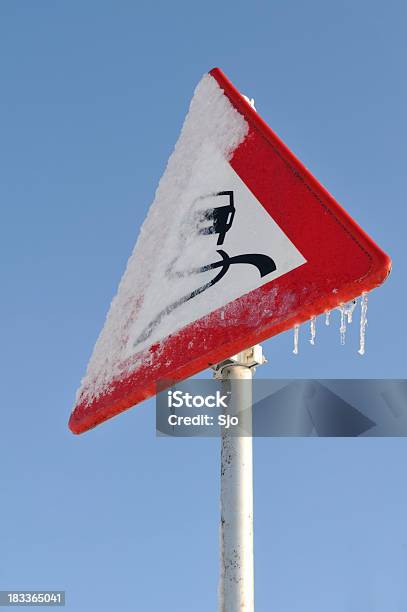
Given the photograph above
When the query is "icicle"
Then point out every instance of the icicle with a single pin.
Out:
(313, 330)
(363, 323)
(349, 308)
(296, 330)
(327, 317)
(342, 329)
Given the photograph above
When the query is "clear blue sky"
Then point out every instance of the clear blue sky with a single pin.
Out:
(93, 95)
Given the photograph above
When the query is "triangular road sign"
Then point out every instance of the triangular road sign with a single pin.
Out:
(240, 244)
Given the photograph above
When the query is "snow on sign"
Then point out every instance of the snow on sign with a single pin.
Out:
(241, 243)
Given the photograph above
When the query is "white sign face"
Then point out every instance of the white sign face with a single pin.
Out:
(221, 245)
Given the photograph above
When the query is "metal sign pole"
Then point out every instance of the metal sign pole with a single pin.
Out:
(236, 587)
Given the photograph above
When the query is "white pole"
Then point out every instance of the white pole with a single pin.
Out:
(236, 587)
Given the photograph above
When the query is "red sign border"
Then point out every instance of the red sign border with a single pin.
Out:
(212, 346)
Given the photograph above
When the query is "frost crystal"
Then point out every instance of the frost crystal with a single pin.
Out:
(342, 329)
(313, 330)
(296, 330)
(349, 308)
(363, 323)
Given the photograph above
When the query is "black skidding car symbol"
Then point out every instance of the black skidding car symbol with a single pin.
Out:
(210, 220)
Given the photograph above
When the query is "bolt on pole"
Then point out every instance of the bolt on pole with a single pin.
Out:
(236, 585)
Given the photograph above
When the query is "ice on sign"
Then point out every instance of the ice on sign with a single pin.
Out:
(206, 241)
